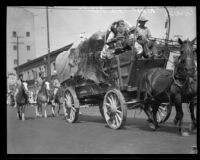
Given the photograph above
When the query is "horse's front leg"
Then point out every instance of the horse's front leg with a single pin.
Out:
(53, 109)
(155, 106)
(36, 110)
(179, 110)
(45, 110)
(192, 114)
(18, 112)
(59, 108)
(148, 113)
(23, 112)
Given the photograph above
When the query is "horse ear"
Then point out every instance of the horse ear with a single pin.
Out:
(180, 41)
(194, 40)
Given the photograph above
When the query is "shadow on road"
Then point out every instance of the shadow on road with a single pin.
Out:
(142, 124)
(30, 118)
(88, 118)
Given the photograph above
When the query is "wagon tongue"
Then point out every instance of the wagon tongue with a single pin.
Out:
(134, 104)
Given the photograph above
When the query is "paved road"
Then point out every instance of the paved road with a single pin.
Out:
(91, 135)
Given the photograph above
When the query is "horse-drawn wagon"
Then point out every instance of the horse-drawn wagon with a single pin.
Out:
(115, 94)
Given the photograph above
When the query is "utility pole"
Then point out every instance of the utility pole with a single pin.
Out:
(17, 44)
(48, 45)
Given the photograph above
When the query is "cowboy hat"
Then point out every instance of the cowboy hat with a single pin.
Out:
(142, 19)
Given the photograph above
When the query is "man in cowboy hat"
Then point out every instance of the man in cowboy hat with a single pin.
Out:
(144, 36)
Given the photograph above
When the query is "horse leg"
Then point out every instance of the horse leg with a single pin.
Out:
(176, 118)
(45, 112)
(148, 113)
(58, 108)
(180, 117)
(53, 110)
(36, 110)
(155, 106)
(18, 112)
(64, 110)
(22, 111)
(193, 119)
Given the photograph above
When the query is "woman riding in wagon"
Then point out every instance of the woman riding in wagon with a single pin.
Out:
(115, 39)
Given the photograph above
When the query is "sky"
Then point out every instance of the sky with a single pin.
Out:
(66, 23)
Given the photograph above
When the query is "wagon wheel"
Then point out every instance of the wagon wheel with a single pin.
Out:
(71, 105)
(163, 113)
(114, 109)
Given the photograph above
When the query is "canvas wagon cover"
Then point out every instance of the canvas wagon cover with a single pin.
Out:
(81, 60)
(63, 66)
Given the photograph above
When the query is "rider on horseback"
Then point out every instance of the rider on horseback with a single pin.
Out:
(18, 83)
(40, 81)
(56, 85)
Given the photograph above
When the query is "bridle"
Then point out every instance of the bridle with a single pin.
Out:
(185, 72)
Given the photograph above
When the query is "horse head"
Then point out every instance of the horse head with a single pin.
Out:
(186, 61)
(25, 87)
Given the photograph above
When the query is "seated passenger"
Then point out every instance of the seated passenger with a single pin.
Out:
(118, 32)
(145, 39)
(137, 46)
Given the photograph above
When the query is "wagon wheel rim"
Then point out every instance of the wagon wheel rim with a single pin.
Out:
(113, 111)
(70, 109)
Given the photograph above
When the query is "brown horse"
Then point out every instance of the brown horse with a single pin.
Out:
(58, 99)
(43, 99)
(179, 86)
(22, 100)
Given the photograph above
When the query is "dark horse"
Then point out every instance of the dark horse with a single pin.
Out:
(43, 99)
(22, 100)
(179, 86)
(58, 99)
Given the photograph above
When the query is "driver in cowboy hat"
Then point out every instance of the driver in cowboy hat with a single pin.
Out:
(144, 36)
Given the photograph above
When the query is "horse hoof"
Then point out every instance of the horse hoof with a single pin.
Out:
(193, 127)
(175, 121)
(184, 134)
(152, 126)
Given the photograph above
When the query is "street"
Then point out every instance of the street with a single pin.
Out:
(91, 135)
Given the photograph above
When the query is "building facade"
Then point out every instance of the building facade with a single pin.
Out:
(20, 23)
(30, 70)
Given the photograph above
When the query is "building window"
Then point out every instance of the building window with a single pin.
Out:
(14, 34)
(27, 34)
(28, 48)
(15, 61)
(14, 47)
